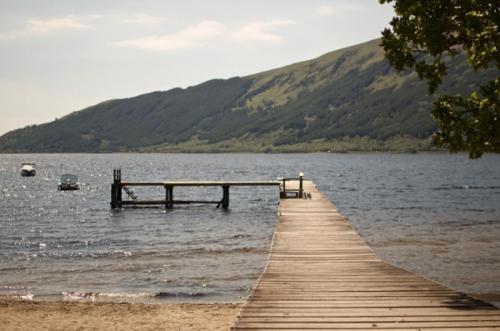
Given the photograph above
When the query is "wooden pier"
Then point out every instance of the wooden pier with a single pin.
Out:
(118, 187)
(321, 275)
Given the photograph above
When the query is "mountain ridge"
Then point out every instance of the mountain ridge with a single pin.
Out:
(348, 99)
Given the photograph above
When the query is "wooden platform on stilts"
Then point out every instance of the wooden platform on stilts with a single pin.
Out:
(119, 186)
(321, 275)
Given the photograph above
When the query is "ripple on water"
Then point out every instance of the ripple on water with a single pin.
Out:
(435, 213)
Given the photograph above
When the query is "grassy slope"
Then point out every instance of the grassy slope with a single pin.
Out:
(348, 99)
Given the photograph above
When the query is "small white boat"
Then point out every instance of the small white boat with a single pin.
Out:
(28, 170)
(68, 182)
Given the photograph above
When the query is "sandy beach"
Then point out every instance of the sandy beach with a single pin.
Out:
(59, 315)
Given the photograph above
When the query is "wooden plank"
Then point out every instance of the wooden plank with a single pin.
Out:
(322, 275)
(163, 202)
(324, 317)
(204, 183)
(371, 312)
(401, 328)
(378, 326)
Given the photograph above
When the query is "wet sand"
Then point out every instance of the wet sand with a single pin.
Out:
(59, 315)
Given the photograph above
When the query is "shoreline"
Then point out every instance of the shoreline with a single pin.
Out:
(18, 314)
(141, 152)
(22, 314)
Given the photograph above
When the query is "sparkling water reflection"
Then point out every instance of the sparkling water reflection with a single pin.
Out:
(436, 214)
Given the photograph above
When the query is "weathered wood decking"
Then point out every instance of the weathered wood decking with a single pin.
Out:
(321, 275)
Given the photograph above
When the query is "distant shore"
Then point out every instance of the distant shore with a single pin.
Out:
(398, 144)
(18, 314)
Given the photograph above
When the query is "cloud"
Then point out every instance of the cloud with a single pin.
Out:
(197, 35)
(36, 27)
(141, 19)
(41, 27)
(340, 8)
(187, 38)
(326, 10)
(261, 31)
(125, 18)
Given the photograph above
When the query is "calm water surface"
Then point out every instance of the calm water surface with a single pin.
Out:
(435, 214)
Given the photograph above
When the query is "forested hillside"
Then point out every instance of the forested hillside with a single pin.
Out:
(348, 99)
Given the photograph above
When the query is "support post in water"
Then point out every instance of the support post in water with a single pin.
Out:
(169, 196)
(301, 185)
(283, 189)
(116, 189)
(225, 196)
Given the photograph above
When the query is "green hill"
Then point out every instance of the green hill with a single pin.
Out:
(349, 99)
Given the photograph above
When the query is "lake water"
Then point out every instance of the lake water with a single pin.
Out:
(434, 214)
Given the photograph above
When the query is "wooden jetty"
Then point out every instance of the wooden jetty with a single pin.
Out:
(321, 275)
(118, 187)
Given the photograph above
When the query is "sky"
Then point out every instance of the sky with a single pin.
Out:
(61, 56)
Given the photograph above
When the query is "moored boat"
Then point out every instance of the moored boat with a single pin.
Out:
(28, 170)
(68, 182)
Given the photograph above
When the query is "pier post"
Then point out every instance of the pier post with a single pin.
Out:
(113, 196)
(169, 196)
(116, 189)
(301, 185)
(283, 189)
(225, 196)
